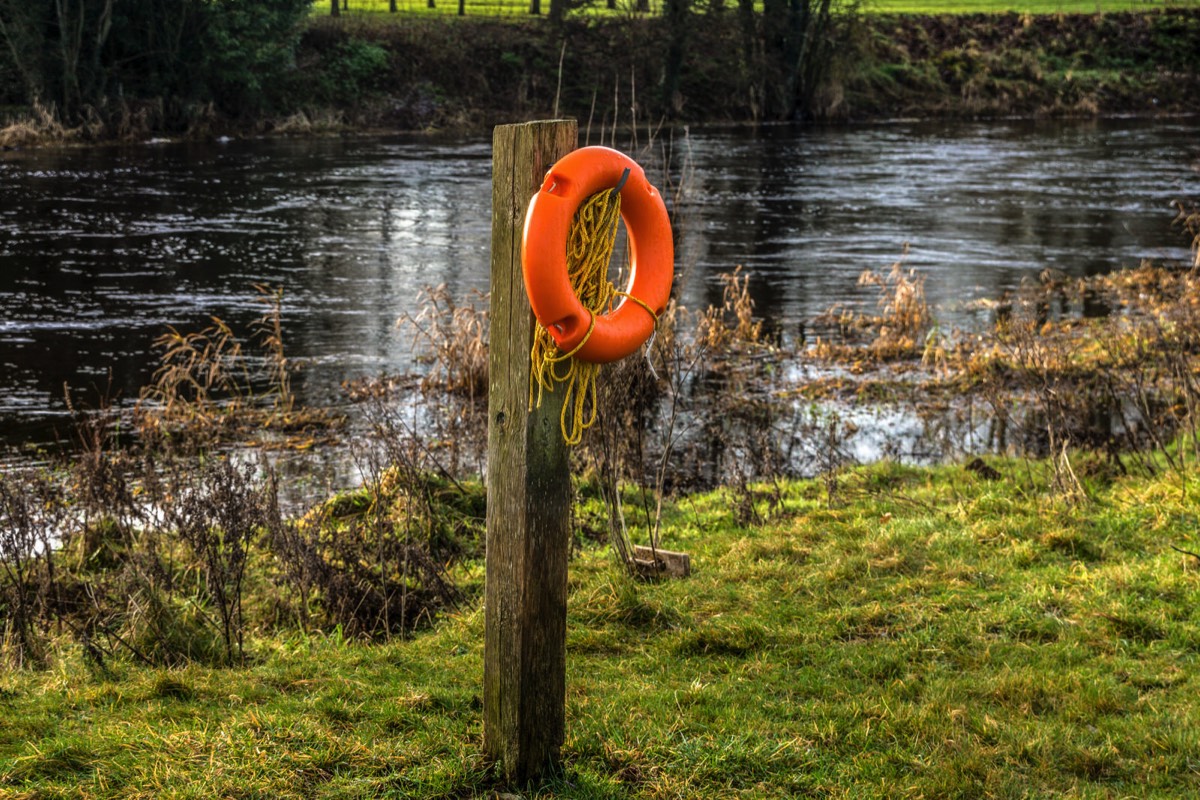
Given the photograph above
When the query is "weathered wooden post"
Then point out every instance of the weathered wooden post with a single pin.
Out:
(528, 486)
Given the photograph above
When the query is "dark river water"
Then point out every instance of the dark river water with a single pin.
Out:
(102, 248)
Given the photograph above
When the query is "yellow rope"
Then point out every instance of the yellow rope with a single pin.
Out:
(590, 244)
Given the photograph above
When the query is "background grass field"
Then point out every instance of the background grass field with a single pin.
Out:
(519, 9)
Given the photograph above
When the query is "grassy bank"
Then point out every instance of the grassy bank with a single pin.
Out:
(921, 633)
(887, 65)
(1052, 65)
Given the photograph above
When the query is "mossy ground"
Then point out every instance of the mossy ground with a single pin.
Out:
(922, 633)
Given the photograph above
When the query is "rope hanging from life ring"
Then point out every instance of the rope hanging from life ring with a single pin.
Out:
(570, 231)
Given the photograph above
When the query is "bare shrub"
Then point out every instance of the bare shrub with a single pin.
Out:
(375, 562)
(218, 511)
(700, 410)
(32, 508)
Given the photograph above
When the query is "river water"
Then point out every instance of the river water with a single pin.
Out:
(102, 248)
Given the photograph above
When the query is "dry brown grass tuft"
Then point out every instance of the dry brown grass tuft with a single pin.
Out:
(453, 340)
(40, 127)
(899, 331)
(1189, 218)
(212, 383)
(732, 325)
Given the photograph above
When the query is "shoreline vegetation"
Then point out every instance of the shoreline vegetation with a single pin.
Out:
(1020, 620)
(301, 74)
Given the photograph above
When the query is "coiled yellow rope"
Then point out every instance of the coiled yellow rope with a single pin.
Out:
(590, 244)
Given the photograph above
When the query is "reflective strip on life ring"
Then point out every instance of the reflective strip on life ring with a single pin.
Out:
(574, 178)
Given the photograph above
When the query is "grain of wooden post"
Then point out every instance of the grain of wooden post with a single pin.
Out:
(528, 486)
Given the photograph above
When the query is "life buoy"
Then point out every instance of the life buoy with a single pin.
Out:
(574, 178)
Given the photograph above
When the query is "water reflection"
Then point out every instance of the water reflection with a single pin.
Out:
(101, 249)
(981, 205)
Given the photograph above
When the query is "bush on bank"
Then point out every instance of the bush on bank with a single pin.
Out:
(121, 67)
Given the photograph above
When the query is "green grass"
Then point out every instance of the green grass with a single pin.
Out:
(1020, 6)
(517, 8)
(932, 634)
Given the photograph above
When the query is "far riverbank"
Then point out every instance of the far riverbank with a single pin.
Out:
(382, 73)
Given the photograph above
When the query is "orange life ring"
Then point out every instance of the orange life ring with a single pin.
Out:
(574, 178)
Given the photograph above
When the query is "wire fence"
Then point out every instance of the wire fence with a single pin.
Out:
(532, 9)
(485, 8)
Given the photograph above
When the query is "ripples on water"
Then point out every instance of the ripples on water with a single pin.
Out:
(102, 248)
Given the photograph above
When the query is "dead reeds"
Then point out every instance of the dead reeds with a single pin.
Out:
(41, 126)
(214, 384)
(898, 331)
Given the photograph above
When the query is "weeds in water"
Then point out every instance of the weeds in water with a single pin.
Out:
(1048, 381)
(904, 317)
(269, 328)
(41, 126)
(202, 381)
(453, 340)
(210, 385)
(900, 330)
(702, 409)
(1123, 386)
(732, 324)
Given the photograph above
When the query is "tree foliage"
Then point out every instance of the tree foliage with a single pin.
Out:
(89, 58)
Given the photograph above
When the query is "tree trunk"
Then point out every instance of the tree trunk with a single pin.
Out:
(678, 19)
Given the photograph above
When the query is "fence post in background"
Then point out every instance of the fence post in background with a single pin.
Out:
(528, 486)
